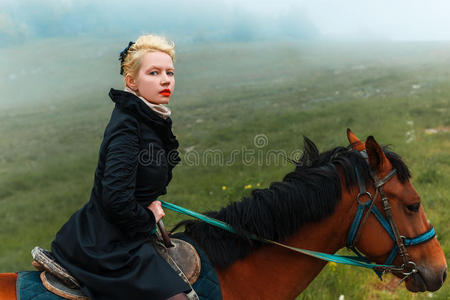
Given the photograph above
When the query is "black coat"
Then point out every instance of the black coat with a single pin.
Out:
(106, 244)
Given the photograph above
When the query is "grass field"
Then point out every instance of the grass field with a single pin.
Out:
(54, 108)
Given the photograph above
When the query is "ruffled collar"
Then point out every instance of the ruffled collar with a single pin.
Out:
(163, 111)
(163, 127)
(132, 103)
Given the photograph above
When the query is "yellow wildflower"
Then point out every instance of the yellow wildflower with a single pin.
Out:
(333, 266)
(248, 186)
(224, 188)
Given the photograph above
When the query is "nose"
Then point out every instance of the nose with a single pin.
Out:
(435, 282)
(164, 79)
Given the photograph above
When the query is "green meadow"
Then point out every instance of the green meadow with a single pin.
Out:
(229, 99)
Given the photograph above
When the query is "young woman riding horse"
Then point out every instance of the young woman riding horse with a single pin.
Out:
(317, 207)
(106, 244)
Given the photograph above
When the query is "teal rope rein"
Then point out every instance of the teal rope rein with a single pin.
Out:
(340, 259)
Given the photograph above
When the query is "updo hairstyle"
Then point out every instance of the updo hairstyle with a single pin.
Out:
(145, 43)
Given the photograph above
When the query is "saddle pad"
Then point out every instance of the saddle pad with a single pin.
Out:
(29, 287)
(207, 285)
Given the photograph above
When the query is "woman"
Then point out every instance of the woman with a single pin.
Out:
(106, 244)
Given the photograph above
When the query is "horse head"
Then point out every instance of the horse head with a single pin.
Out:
(422, 250)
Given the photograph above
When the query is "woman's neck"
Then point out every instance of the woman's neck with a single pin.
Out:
(163, 111)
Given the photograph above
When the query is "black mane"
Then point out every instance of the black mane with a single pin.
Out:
(309, 193)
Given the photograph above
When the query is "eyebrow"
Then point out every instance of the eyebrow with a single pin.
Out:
(159, 68)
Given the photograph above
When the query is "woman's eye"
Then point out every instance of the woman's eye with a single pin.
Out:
(153, 73)
(170, 73)
(413, 207)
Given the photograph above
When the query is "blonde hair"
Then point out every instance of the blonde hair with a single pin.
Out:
(144, 44)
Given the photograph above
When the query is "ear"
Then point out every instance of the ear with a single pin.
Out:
(354, 141)
(131, 83)
(310, 152)
(377, 159)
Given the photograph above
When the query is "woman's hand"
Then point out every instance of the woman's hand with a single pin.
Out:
(157, 210)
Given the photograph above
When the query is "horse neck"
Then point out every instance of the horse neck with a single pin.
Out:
(279, 273)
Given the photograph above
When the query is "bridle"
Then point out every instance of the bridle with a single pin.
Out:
(408, 267)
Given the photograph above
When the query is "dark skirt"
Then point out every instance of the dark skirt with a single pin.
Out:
(109, 264)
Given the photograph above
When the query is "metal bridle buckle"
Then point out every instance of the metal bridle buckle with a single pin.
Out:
(407, 274)
(413, 270)
(362, 194)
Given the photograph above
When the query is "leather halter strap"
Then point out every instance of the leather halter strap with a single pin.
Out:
(357, 224)
(400, 242)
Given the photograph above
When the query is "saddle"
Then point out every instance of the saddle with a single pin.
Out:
(181, 256)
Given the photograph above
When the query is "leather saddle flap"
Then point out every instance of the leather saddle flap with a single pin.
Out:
(183, 255)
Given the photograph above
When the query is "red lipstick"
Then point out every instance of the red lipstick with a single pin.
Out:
(165, 92)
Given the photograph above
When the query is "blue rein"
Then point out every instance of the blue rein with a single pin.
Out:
(359, 260)
(356, 261)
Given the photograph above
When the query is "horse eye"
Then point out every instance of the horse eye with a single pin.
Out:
(413, 207)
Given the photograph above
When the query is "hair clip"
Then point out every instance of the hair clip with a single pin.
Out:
(123, 54)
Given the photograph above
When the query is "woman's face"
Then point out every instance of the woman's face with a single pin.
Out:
(155, 80)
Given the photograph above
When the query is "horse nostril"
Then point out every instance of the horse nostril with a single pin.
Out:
(444, 276)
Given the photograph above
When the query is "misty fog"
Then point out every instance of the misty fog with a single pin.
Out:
(48, 46)
(226, 20)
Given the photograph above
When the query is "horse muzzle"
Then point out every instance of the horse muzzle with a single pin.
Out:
(426, 279)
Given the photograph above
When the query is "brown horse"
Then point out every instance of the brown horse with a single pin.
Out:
(314, 208)
(8, 286)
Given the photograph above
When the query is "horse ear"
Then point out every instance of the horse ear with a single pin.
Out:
(354, 141)
(377, 159)
(310, 152)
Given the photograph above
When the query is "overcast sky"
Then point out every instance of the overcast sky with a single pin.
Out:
(229, 19)
(391, 19)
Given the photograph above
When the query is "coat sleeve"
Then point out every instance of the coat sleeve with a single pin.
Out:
(119, 183)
